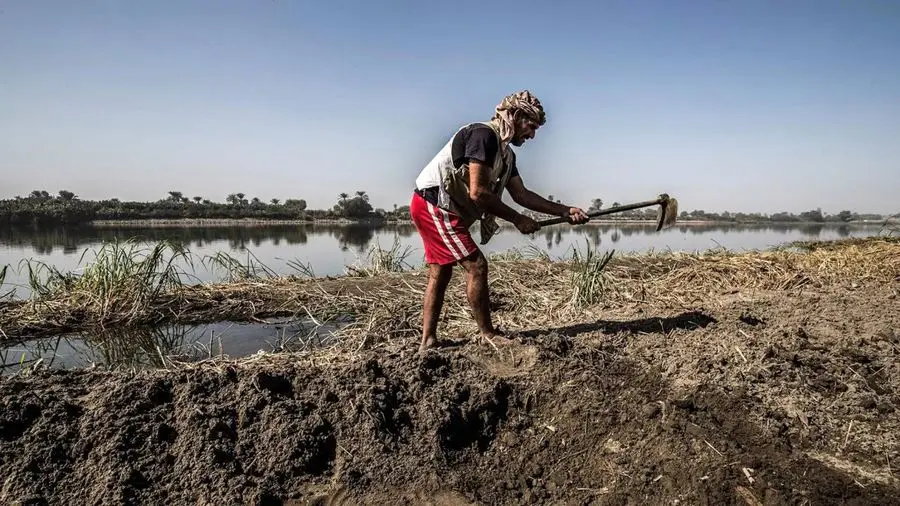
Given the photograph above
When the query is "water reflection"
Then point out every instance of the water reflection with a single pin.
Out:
(354, 237)
(75, 239)
(153, 347)
(329, 248)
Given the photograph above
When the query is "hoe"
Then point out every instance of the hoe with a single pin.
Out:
(668, 212)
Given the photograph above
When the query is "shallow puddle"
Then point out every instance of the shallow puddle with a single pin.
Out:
(145, 347)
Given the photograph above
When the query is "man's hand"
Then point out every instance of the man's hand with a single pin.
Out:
(577, 216)
(526, 225)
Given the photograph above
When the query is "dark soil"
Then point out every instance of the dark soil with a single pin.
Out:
(787, 398)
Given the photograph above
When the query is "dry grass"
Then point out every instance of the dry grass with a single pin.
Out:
(526, 291)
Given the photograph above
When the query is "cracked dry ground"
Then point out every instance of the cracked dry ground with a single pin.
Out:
(778, 398)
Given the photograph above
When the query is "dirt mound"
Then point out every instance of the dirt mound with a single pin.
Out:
(747, 403)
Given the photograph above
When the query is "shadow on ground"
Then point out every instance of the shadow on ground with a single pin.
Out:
(689, 320)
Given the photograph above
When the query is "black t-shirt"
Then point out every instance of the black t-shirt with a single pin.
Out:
(478, 141)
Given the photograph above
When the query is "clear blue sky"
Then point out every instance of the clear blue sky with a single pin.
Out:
(750, 105)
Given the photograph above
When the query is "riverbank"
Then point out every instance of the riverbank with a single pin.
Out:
(711, 378)
(127, 286)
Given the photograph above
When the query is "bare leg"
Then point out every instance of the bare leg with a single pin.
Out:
(439, 278)
(478, 293)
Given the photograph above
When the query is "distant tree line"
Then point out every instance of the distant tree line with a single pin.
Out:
(65, 208)
(811, 216)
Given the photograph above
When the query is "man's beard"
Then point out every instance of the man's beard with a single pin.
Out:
(517, 141)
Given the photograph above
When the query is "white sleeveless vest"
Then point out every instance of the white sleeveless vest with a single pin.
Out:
(453, 183)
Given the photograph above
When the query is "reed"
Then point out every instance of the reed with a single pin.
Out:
(235, 270)
(118, 286)
(891, 226)
(587, 277)
(528, 252)
(302, 269)
(5, 294)
(382, 261)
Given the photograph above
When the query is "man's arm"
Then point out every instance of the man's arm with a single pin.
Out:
(481, 194)
(530, 200)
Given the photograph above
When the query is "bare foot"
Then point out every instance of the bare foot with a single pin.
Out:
(427, 344)
(496, 337)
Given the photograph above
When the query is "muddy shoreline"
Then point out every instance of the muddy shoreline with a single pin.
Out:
(759, 378)
(750, 396)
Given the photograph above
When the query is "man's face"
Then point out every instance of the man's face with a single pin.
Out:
(525, 129)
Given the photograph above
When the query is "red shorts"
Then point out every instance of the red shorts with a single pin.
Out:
(444, 236)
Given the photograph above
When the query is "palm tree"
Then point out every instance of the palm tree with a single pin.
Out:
(274, 202)
(198, 199)
(343, 196)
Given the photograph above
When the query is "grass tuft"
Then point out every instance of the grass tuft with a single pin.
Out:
(235, 270)
(302, 269)
(529, 252)
(587, 278)
(119, 285)
(7, 294)
(383, 261)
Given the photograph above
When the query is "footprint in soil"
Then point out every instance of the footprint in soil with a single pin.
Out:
(507, 361)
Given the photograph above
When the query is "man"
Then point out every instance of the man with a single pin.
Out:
(464, 183)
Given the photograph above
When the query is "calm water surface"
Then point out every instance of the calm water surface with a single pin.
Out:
(328, 250)
(142, 348)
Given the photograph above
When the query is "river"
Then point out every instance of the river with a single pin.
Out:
(329, 249)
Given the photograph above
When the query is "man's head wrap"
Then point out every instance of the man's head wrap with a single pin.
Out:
(512, 108)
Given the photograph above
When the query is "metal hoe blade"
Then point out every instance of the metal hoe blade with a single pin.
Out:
(668, 212)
